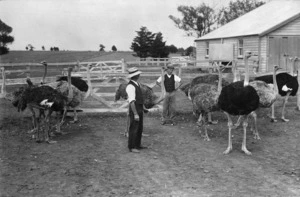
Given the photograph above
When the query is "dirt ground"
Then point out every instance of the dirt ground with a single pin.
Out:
(93, 159)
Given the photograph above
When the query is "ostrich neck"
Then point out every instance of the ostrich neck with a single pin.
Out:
(275, 82)
(45, 74)
(246, 80)
(220, 80)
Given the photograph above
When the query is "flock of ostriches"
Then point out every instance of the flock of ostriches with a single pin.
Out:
(208, 93)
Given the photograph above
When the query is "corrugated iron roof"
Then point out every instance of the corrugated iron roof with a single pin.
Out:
(259, 21)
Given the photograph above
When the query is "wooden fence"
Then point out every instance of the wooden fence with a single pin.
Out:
(102, 77)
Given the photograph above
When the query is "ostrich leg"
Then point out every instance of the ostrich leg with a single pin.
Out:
(75, 119)
(245, 124)
(34, 121)
(204, 125)
(255, 130)
(273, 118)
(61, 122)
(210, 121)
(230, 126)
(283, 107)
(47, 128)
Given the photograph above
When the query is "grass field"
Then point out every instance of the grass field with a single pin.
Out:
(64, 56)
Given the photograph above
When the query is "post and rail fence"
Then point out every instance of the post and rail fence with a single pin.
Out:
(104, 74)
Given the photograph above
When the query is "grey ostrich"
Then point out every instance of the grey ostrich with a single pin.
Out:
(79, 86)
(212, 79)
(267, 96)
(150, 99)
(204, 97)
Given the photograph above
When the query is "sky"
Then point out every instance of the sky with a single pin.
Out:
(83, 25)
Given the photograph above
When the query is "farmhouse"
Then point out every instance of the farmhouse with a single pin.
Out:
(272, 31)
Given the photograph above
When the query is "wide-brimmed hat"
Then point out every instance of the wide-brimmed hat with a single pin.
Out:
(170, 66)
(133, 72)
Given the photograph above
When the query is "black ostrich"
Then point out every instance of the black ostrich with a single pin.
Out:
(238, 99)
(40, 97)
(287, 86)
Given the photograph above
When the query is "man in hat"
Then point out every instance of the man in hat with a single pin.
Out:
(136, 109)
(169, 107)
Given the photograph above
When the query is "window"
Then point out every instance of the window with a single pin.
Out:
(207, 49)
(241, 48)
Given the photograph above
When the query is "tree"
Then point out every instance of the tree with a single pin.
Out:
(172, 49)
(159, 48)
(196, 21)
(30, 47)
(236, 9)
(142, 43)
(101, 47)
(5, 38)
(114, 48)
(190, 51)
(43, 48)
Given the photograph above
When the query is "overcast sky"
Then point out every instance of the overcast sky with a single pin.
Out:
(84, 24)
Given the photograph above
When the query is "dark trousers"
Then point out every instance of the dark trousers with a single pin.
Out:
(135, 129)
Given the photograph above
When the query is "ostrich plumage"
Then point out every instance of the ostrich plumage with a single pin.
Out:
(209, 79)
(286, 83)
(40, 97)
(204, 102)
(79, 83)
(238, 99)
(204, 97)
(189, 91)
(150, 99)
(76, 98)
(287, 86)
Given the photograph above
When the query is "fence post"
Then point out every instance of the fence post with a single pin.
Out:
(179, 71)
(88, 75)
(77, 66)
(298, 78)
(3, 88)
(27, 72)
(124, 66)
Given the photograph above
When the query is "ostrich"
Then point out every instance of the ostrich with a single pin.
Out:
(150, 99)
(287, 86)
(207, 79)
(267, 96)
(238, 99)
(41, 97)
(204, 97)
(79, 86)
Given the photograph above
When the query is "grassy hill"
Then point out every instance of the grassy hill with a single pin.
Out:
(64, 56)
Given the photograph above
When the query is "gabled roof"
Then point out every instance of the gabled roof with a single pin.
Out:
(259, 21)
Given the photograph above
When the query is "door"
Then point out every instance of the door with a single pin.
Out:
(280, 48)
(274, 51)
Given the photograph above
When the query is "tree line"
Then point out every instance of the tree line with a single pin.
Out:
(195, 21)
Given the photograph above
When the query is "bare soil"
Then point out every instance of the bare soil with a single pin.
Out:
(93, 159)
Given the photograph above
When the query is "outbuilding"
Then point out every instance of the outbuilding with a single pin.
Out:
(272, 31)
